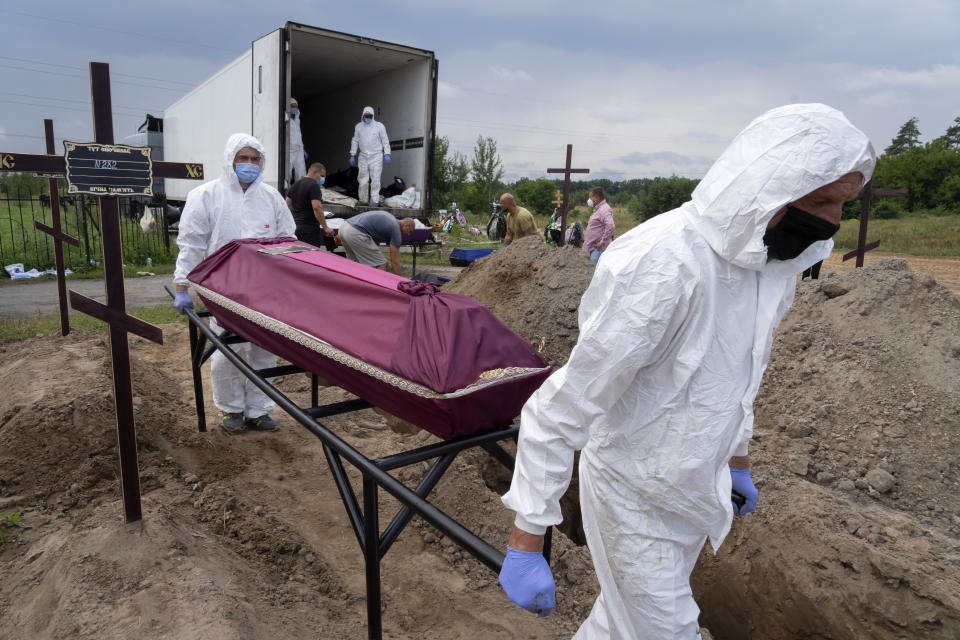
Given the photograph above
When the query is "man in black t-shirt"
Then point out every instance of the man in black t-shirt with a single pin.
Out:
(306, 202)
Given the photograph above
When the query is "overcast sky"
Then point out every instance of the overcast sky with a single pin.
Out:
(640, 88)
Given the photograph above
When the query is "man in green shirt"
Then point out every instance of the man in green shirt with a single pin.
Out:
(519, 221)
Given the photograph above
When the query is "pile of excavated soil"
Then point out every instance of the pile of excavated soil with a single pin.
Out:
(242, 537)
(857, 437)
(534, 289)
(856, 535)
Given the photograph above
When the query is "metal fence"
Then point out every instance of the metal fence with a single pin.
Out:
(21, 242)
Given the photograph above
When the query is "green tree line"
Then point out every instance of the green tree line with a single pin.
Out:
(929, 171)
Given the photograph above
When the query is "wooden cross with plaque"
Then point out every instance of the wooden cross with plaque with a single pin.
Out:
(105, 170)
(566, 171)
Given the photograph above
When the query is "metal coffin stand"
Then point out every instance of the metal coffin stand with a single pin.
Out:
(364, 519)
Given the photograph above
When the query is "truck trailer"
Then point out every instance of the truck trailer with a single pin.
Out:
(333, 76)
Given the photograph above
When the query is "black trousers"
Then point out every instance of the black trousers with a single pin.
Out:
(813, 272)
(311, 234)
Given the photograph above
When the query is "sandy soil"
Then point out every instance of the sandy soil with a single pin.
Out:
(945, 269)
(245, 537)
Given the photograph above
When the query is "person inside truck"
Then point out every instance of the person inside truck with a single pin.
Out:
(238, 204)
(298, 157)
(370, 139)
(676, 329)
(305, 200)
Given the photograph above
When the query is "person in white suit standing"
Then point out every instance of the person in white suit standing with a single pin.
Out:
(370, 139)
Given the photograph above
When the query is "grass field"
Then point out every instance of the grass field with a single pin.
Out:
(928, 236)
(14, 328)
(21, 242)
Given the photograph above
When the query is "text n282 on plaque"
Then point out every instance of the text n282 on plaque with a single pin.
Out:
(108, 169)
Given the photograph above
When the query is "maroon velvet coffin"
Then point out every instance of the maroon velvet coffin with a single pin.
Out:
(441, 361)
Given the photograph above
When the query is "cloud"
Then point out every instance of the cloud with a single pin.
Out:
(613, 113)
(664, 157)
(511, 74)
(944, 76)
(447, 90)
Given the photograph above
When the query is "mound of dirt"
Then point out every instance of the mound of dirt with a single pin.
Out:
(533, 289)
(857, 439)
(242, 537)
(202, 563)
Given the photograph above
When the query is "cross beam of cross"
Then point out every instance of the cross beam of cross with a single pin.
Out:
(865, 195)
(566, 171)
(114, 311)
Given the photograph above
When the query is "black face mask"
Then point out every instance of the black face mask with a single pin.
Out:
(796, 231)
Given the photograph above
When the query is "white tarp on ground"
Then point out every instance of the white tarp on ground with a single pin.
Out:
(16, 272)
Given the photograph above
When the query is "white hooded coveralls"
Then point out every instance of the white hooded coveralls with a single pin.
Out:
(675, 333)
(297, 162)
(372, 142)
(216, 213)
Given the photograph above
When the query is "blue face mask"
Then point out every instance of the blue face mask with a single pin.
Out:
(246, 172)
(294, 111)
(367, 120)
(321, 180)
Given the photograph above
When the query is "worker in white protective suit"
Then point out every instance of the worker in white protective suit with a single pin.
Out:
(298, 157)
(370, 139)
(676, 329)
(238, 204)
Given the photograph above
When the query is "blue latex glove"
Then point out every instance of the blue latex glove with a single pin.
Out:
(353, 161)
(743, 484)
(182, 301)
(304, 155)
(528, 582)
(386, 158)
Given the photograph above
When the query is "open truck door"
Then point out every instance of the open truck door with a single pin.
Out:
(269, 124)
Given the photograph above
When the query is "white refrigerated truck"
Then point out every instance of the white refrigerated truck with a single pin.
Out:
(333, 76)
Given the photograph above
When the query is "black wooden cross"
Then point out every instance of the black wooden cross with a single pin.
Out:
(114, 312)
(59, 237)
(865, 195)
(566, 171)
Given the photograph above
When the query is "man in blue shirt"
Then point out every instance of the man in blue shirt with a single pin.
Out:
(362, 234)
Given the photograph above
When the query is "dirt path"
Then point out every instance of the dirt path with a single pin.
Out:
(26, 297)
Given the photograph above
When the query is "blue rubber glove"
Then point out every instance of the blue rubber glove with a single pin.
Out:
(182, 301)
(743, 484)
(386, 158)
(353, 161)
(304, 155)
(528, 582)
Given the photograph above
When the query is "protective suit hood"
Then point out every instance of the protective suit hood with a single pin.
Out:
(779, 157)
(368, 111)
(234, 143)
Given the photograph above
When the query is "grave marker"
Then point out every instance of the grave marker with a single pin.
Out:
(566, 171)
(862, 246)
(104, 169)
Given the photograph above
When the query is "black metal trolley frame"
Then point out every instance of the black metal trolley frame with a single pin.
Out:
(363, 519)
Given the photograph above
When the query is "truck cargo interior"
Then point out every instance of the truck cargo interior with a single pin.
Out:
(333, 78)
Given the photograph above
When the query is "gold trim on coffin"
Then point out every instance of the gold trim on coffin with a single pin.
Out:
(487, 378)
